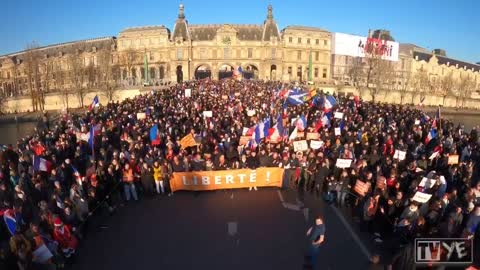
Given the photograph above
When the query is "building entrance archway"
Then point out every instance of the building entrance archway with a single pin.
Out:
(273, 72)
(250, 72)
(179, 74)
(203, 72)
(225, 71)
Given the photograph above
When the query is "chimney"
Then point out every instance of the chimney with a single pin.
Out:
(440, 52)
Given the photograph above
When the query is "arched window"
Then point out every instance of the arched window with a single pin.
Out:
(134, 73)
(162, 73)
(152, 73)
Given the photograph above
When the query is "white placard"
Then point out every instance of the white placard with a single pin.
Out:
(338, 132)
(245, 130)
(207, 113)
(417, 122)
(400, 155)
(237, 94)
(42, 254)
(434, 155)
(251, 112)
(343, 163)
(421, 197)
(188, 92)
(141, 115)
(300, 146)
(338, 115)
(316, 144)
(426, 183)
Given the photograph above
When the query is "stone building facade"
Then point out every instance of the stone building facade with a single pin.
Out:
(218, 50)
(417, 70)
(261, 51)
(47, 68)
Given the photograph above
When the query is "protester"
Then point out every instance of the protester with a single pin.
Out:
(316, 236)
(60, 175)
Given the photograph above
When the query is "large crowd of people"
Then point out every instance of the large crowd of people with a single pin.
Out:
(54, 182)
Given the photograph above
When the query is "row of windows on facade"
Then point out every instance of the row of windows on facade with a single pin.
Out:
(153, 73)
(227, 54)
(315, 72)
(155, 41)
(317, 41)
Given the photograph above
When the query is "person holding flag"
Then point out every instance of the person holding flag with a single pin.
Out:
(95, 103)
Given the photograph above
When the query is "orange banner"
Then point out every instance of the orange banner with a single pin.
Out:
(212, 180)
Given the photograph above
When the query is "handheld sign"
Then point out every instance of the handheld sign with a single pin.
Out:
(421, 197)
(188, 92)
(207, 113)
(381, 182)
(316, 144)
(338, 132)
(244, 140)
(251, 112)
(452, 159)
(426, 183)
(141, 115)
(400, 155)
(338, 115)
(313, 136)
(361, 188)
(300, 146)
(434, 155)
(343, 163)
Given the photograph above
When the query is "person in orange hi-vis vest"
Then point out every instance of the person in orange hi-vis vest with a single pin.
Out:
(128, 184)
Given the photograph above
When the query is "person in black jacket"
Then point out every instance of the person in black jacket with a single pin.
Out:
(253, 163)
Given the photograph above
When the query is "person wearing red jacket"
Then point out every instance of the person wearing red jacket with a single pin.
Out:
(388, 148)
(66, 240)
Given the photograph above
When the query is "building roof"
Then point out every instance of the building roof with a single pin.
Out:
(144, 28)
(202, 32)
(442, 60)
(68, 47)
(409, 48)
(304, 28)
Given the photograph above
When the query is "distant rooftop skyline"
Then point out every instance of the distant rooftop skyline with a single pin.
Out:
(444, 24)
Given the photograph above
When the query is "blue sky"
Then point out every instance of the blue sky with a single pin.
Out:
(451, 25)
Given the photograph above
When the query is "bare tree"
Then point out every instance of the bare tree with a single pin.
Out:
(466, 86)
(76, 72)
(31, 66)
(60, 79)
(128, 59)
(356, 71)
(108, 72)
(47, 72)
(90, 75)
(405, 78)
(379, 74)
(447, 86)
(422, 84)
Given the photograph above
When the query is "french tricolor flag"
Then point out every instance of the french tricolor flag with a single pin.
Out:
(329, 102)
(261, 131)
(276, 133)
(41, 164)
(77, 175)
(301, 123)
(94, 103)
(431, 135)
(10, 221)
